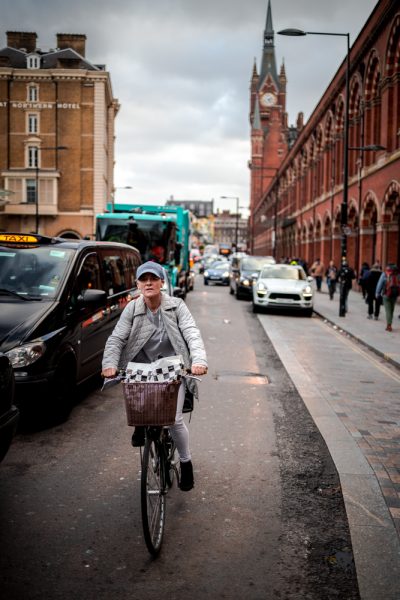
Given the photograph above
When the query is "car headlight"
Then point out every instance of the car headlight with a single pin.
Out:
(307, 290)
(225, 274)
(25, 355)
(261, 286)
(205, 273)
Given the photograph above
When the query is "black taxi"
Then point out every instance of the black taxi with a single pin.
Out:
(59, 301)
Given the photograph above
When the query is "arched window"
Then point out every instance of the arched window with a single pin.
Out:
(329, 150)
(339, 141)
(355, 132)
(372, 106)
(393, 72)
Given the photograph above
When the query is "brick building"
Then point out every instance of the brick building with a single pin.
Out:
(57, 116)
(297, 184)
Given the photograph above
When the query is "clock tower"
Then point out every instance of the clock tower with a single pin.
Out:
(268, 118)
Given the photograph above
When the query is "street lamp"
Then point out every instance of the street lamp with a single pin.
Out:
(124, 187)
(39, 149)
(237, 217)
(343, 213)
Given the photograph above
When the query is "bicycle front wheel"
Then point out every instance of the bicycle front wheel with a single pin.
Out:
(153, 497)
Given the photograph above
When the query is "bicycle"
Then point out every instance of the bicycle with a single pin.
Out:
(160, 468)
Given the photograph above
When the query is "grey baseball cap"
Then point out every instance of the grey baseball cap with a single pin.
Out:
(150, 267)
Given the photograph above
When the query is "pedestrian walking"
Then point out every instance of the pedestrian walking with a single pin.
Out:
(388, 288)
(361, 280)
(317, 271)
(346, 276)
(157, 326)
(371, 281)
(331, 278)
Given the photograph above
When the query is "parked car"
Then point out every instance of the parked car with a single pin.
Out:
(218, 272)
(9, 413)
(59, 301)
(244, 269)
(283, 286)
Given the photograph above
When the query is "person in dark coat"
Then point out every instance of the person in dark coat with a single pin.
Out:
(346, 276)
(363, 275)
(371, 281)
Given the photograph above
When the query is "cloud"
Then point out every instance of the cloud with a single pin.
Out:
(181, 70)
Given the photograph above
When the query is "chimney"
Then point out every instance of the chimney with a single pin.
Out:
(72, 40)
(22, 39)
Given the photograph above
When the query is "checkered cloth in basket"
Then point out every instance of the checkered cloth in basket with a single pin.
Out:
(151, 391)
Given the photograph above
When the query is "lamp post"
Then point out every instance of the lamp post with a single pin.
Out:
(343, 212)
(39, 150)
(237, 217)
(124, 187)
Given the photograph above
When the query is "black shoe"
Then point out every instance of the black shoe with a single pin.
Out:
(187, 481)
(138, 437)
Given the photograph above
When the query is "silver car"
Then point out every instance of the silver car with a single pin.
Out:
(283, 286)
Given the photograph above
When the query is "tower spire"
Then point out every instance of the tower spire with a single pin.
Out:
(269, 30)
(268, 65)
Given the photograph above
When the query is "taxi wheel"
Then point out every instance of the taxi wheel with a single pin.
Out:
(63, 388)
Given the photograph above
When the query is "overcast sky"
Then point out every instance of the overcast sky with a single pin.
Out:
(181, 71)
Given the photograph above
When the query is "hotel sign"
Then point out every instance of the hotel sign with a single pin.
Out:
(39, 105)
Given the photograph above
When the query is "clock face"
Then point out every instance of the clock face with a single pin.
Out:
(268, 99)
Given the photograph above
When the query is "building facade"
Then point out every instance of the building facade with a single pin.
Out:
(298, 211)
(57, 115)
(229, 227)
(199, 208)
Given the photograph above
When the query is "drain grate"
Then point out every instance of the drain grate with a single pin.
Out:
(248, 376)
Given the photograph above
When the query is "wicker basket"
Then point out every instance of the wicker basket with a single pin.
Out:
(151, 403)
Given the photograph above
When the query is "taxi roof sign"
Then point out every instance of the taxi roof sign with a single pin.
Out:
(25, 238)
(18, 238)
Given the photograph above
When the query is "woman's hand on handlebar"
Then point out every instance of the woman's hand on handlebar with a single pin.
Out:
(109, 373)
(198, 370)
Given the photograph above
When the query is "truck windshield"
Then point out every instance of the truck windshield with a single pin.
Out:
(35, 271)
(153, 239)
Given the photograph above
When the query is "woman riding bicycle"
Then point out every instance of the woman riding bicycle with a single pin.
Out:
(155, 326)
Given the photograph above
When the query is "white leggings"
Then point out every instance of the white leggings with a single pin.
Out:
(179, 431)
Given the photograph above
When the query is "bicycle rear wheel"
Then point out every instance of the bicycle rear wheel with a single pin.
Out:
(153, 497)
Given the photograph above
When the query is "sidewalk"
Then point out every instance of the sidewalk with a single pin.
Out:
(357, 411)
(371, 333)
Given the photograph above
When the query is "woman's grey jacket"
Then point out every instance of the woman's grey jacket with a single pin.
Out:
(134, 329)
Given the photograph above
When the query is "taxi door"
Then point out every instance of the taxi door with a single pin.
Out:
(91, 322)
(119, 281)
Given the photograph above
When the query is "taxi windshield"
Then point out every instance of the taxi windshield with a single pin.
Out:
(33, 272)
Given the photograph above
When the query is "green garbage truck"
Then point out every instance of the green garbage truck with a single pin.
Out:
(160, 233)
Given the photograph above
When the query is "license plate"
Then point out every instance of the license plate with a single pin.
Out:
(285, 300)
